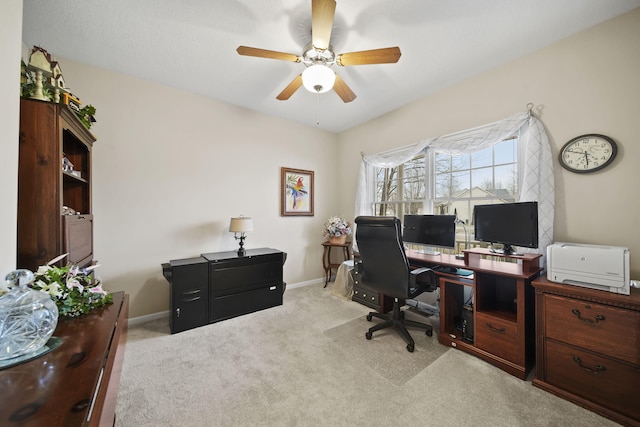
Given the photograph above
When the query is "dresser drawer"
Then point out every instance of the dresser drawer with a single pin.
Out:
(497, 336)
(593, 377)
(604, 329)
(366, 295)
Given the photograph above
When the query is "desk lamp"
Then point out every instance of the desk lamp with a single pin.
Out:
(239, 226)
(466, 233)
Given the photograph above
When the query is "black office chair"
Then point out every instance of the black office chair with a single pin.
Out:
(384, 267)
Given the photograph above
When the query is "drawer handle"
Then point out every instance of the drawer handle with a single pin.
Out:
(191, 299)
(596, 370)
(599, 317)
(195, 291)
(498, 330)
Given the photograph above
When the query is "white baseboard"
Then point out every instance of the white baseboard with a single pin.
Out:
(148, 317)
(307, 283)
(161, 314)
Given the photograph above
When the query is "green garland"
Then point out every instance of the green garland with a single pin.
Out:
(75, 290)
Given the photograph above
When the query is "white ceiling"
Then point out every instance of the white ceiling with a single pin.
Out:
(191, 45)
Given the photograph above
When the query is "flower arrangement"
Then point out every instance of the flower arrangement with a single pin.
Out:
(336, 227)
(74, 290)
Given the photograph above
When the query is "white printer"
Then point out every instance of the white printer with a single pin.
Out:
(592, 266)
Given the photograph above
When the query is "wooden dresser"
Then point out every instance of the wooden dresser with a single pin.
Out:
(588, 348)
(76, 384)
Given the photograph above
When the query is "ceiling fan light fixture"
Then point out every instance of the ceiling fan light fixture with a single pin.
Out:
(318, 78)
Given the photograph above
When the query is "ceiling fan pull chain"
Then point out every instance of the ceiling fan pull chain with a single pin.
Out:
(318, 108)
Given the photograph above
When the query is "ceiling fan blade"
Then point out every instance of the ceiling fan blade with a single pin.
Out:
(322, 13)
(385, 55)
(343, 91)
(290, 89)
(264, 53)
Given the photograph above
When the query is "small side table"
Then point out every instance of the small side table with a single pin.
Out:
(326, 258)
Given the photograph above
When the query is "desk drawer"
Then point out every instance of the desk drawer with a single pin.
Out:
(497, 336)
(593, 377)
(600, 328)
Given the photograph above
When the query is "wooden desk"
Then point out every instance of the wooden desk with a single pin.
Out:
(327, 263)
(75, 384)
(503, 305)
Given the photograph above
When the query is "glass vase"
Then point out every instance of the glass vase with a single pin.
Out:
(27, 317)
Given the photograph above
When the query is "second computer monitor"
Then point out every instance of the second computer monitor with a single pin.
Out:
(431, 231)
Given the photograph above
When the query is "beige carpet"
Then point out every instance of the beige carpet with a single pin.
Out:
(386, 352)
(277, 367)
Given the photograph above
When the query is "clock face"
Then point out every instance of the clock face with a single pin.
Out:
(588, 153)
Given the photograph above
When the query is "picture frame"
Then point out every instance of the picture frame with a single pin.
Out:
(296, 192)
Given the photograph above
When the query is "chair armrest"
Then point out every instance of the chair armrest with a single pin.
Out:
(419, 271)
(416, 286)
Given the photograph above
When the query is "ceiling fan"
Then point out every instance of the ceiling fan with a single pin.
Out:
(318, 57)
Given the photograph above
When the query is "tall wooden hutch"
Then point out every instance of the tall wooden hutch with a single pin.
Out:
(50, 133)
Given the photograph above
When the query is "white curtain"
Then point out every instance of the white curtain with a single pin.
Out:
(537, 175)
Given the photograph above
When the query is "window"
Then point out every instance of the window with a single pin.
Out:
(400, 190)
(456, 183)
(484, 177)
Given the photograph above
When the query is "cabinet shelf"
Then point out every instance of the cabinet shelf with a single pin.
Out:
(68, 177)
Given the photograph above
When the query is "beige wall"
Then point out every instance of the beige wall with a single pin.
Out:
(588, 83)
(171, 168)
(10, 45)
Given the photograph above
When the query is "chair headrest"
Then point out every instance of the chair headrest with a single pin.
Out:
(377, 220)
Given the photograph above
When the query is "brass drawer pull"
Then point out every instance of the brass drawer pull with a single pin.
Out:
(596, 370)
(599, 317)
(498, 330)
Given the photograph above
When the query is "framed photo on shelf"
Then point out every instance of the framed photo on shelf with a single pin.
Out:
(296, 193)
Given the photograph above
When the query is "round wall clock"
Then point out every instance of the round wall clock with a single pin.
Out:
(588, 153)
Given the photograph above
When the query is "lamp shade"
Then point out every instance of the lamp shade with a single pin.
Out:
(241, 224)
(318, 78)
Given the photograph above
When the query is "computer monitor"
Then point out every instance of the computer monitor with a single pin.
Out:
(430, 231)
(510, 224)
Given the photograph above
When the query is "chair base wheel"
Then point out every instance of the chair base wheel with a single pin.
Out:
(397, 321)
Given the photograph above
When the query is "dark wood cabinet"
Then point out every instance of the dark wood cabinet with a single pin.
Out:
(77, 383)
(221, 285)
(588, 348)
(50, 133)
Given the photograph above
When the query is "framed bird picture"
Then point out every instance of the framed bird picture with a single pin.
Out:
(297, 192)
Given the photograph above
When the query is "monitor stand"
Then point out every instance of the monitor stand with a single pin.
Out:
(506, 250)
(428, 251)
